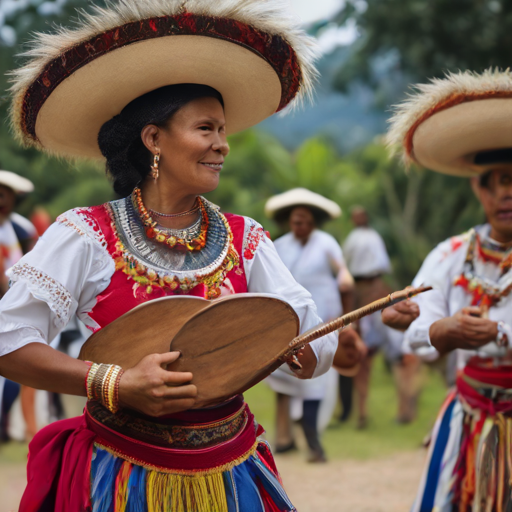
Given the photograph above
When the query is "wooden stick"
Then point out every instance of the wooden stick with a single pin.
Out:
(328, 327)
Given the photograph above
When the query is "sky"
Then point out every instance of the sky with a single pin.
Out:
(314, 10)
(309, 11)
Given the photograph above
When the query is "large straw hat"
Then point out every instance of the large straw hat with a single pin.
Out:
(301, 197)
(450, 121)
(252, 51)
(19, 184)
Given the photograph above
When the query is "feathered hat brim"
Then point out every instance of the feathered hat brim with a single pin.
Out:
(301, 197)
(251, 51)
(449, 121)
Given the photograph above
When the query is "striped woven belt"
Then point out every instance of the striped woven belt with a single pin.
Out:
(175, 435)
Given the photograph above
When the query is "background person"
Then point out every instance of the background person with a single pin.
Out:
(367, 261)
(315, 260)
(17, 237)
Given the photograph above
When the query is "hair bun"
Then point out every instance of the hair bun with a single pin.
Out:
(115, 138)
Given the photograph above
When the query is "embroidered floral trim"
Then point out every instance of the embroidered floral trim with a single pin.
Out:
(253, 236)
(47, 289)
(84, 224)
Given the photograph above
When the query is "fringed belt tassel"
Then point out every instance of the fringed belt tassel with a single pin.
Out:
(483, 474)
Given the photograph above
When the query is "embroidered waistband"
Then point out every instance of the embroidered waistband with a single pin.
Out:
(179, 435)
(184, 460)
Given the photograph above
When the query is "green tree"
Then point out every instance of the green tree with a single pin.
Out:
(426, 38)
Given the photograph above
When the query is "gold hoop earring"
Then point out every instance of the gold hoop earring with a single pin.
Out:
(154, 168)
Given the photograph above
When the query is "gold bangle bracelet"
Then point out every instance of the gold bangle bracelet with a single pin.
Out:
(103, 385)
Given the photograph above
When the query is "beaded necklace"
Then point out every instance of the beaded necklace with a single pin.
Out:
(185, 239)
(149, 264)
(484, 292)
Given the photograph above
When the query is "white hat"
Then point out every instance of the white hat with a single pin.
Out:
(253, 52)
(450, 121)
(301, 197)
(19, 184)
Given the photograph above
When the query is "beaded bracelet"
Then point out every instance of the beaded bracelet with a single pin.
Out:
(102, 383)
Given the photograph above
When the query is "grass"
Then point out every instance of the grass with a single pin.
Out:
(383, 436)
(13, 452)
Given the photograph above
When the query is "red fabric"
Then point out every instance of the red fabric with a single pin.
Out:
(495, 375)
(60, 456)
(58, 468)
(118, 298)
(478, 401)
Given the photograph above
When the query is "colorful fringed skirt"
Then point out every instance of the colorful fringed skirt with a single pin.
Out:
(469, 465)
(208, 460)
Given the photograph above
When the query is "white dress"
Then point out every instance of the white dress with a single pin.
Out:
(317, 266)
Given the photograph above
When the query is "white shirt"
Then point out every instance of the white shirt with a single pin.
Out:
(317, 266)
(70, 266)
(441, 267)
(365, 253)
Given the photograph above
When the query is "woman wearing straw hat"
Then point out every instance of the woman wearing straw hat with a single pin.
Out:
(316, 261)
(461, 125)
(154, 87)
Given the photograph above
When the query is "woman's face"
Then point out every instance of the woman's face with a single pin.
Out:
(496, 199)
(193, 146)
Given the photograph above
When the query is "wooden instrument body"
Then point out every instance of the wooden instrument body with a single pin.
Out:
(229, 344)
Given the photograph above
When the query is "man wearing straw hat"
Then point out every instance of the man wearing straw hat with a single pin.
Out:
(316, 261)
(461, 125)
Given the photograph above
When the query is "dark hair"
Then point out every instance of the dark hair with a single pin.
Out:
(128, 159)
(319, 216)
(494, 156)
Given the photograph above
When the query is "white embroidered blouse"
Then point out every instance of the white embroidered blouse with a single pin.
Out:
(440, 269)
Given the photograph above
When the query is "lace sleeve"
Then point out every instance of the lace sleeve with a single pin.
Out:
(61, 276)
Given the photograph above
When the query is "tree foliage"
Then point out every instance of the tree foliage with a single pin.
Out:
(426, 38)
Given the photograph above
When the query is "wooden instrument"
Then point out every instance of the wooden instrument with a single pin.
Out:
(229, 344)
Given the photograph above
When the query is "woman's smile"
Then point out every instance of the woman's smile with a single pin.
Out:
(213, 166)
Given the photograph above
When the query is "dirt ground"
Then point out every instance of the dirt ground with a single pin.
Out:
(386, 484)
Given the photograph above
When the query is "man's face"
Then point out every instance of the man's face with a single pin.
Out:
(496, 199)
(7, 202)
(302, 222)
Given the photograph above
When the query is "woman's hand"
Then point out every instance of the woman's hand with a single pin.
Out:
(155, 391)
(401, 315)
(351, 349)
(465, 329)
(307, 360)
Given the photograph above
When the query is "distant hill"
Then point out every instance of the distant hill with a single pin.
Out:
(348, 120)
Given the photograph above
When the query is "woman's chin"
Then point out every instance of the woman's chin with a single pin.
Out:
(208, 185)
